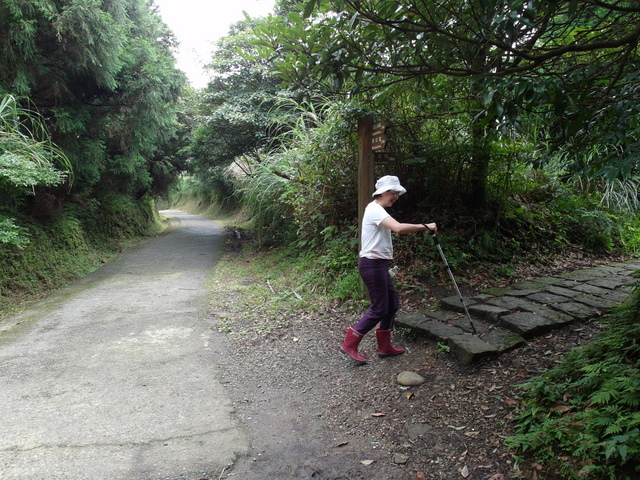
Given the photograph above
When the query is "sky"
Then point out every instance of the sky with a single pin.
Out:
(198, 24)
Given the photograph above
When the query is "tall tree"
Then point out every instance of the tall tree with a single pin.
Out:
(509, 56)
(237, 108)
(102, 74)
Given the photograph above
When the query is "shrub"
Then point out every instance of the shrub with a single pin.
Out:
(583, 417)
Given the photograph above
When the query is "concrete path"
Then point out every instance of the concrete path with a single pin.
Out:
(115, 377)
(504, 317)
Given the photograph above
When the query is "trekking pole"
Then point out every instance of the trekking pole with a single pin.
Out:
(446, 264)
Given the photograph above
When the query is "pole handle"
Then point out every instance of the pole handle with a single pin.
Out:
(432, 233)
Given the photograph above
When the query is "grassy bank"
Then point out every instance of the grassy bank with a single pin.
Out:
(60, 249)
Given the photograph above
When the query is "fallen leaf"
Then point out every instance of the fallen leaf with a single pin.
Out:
(457, 428)
(562, 409)
(409, 395)
(342, 444)
(378, 414)
(510, 402)
(465, 471)
(367, 462)
(471, 434)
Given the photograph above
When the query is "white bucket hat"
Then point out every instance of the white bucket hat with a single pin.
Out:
(389, 182)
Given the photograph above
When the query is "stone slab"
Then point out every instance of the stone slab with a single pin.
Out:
(557, 281)
(612, 269)
(563, 291)
(490, 313)
(511, 303)
(527, 324)
(632, 265)
(620, 296)
(627, 280)
(521, 292)
(579, 311)
(592, 289)
(526, 285)
(598, 303)
(438, 331)
(610, 283)
(464, 324)
(442, 315)
(546, 298)
(469, 348)
(519, 304)
(495, 291)
(411, 320)
(503, 340)
(612, 296)
(454, 303)
(582, 275)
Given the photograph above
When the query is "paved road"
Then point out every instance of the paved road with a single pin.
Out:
(115, 377)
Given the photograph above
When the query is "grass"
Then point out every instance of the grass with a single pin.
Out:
(254, 292)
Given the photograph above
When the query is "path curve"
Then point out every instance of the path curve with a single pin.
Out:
(115, 377)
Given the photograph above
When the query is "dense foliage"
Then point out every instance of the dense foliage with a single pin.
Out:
(582, 417)
(503, 144)
(88, 121)
(103, 76)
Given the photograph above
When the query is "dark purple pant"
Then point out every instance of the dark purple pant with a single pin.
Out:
(382, 293)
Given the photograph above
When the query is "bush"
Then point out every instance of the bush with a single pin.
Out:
(12, 235)
(582, 418)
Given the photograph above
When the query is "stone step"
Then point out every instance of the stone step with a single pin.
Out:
(504, 317)
(456, 332)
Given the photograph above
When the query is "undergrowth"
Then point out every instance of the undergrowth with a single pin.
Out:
(582, 418)
(265, 288)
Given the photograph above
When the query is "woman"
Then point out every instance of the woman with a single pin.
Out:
(375, 255)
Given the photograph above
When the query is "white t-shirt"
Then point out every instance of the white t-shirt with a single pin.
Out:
(376, 239)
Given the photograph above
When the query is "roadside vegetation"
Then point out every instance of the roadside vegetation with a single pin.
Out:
(520, 162)
(90, 128)
(513, 126)
(581, 418)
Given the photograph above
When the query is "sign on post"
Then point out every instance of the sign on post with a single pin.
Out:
(378, 137)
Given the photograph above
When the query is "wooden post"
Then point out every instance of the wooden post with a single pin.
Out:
(365, 166)
(365, 176)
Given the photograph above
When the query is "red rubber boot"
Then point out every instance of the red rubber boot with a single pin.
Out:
(350, 345)
(385, 349)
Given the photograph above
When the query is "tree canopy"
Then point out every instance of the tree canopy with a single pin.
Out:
(102, 75)
(573, 66)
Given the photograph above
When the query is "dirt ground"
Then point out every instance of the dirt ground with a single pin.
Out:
(313, 413)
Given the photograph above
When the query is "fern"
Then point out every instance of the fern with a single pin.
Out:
(600, 434)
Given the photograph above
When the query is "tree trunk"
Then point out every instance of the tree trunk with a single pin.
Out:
(478, 169)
